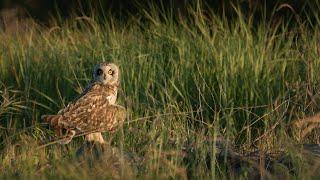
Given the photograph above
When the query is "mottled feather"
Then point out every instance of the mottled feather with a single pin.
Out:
(94, 110)
(85, 113)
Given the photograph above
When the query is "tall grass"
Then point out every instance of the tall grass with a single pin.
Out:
(185, 82)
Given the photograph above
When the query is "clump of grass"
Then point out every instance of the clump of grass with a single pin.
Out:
(186, 84)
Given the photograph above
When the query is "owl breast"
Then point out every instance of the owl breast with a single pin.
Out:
(112, 99)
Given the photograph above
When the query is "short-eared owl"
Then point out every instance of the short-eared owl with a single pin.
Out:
(94, 111)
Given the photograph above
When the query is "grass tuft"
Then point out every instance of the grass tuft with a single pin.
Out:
(187, 84)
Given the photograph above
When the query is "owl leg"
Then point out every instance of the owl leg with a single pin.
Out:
(95, 137)
(68, 137)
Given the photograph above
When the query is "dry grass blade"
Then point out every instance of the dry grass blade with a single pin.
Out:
(10, 102)
(307, 125)
(305, 121)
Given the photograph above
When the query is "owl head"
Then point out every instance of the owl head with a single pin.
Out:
(106, 73)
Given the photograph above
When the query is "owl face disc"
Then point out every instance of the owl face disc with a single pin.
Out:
(106, 73)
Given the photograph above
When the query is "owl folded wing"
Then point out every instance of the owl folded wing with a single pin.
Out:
(91, 112)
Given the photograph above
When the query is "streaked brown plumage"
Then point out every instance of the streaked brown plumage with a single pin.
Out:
(93, 112)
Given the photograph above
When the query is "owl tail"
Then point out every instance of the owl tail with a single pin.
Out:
(60, 128)
(53, 120)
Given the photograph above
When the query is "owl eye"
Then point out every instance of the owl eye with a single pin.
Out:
(110, 72)
(99, 72)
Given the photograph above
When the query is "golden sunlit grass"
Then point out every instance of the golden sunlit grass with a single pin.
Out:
(186, 84)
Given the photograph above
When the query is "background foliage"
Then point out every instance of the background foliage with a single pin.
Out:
(187, 81)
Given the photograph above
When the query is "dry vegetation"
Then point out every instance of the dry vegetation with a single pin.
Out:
(207, 98)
